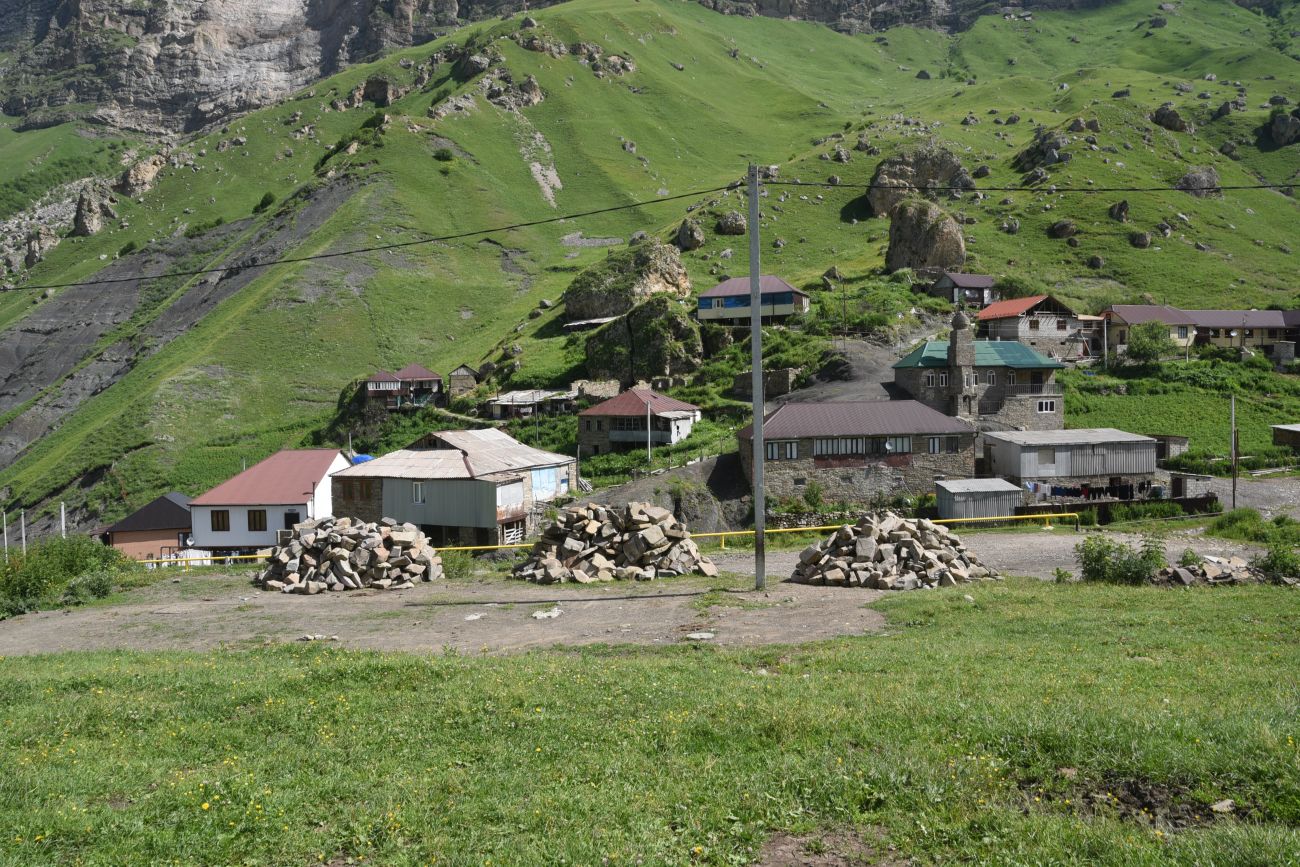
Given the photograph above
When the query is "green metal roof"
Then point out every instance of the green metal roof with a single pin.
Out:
(988, 353)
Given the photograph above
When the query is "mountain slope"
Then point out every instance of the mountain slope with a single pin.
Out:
(150, 405)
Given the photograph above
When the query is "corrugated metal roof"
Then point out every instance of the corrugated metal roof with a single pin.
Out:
(978, 486)
(412, 464)
(416, 371)
(1293, 428)
(526, 397)
(633, 403)
(1010, 308)
(856, 418)
(988, 353)
(168, 512)
(494, 451)
(969, 281)
(382, 376)
(1136, 314)
(285, 478)
(1238, 318)
(740, 286)
(1078, 436)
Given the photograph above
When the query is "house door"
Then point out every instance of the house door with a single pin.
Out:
(290, 518)
(1179, 487)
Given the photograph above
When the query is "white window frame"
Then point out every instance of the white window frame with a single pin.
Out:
(783, 450)
(417, 493)
(1011, 377)
(930, 379)
(1047, 406)
(943, 379)
(992, 378)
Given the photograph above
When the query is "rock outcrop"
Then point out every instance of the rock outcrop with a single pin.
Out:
(657, 338)
(626, 278)
(1202, 182)
(138, 179)
(930, 170)
(1284, 129)
(93, 207)
(1168, 117)
(922, 235)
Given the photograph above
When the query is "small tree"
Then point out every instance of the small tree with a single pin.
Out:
(268, 199)
(1148, 342)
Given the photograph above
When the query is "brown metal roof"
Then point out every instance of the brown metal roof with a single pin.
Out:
(168, 512)
(1136, 314)
(382, 376)
(285, 478)
(969, 281)
(633, 402)
(857, 418)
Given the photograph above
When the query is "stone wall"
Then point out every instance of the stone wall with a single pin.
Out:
(775, 382)
(1001, 404)
(358, 498)
(862, 479)
(1020, 412)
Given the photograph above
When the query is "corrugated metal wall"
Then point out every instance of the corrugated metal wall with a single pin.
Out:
(977, 504)
(448, 502)
(1100, 459)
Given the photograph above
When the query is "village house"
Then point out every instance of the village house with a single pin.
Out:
(857, 451)
(1287, 436)
(1071, 465)
(412, 386)
(1273, 332)
(729, 300)
(157, 529)
(1120, 318)
(475, 487)
(245, 512)
(529, 402)
(964, 289)
(620, 423)
(1039, 321)
(462, 381)
(995, 384)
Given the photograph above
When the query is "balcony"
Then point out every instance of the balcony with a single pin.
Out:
(1051, 389)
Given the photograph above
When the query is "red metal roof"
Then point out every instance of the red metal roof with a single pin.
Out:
(856, 418)
(1010, 308)
(416, 371)
(740, 286)
(285, 478)
(633, 402)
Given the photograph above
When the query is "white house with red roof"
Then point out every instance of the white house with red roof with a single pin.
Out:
(1042, 322)
(636, 417)
(244, 512)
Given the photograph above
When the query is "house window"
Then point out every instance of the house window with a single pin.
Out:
(943, 379)
(256, 520)
(1272, 333)
(1033, 324)
(1061, 325)
(220, 520)
(787, 450)
(944, 445)
(1046, 406)
(993, 378)
(417, 493)
(840, 446)
(930, 379)
(1011, 377)
(600, 424)
(1182, 332)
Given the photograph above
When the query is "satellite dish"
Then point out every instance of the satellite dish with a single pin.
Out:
(189, 541)
(889, 447)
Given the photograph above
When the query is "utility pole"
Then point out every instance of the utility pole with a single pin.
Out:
(22, 523)
(1234, 451)
(1105, 342)
(63, 521)
(756, 359)
(648, 456)
(4, 518)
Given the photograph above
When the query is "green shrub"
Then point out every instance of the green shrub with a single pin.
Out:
(47, 570)
(457, 565)
(1190, 559)
(1143, 511)
(1280, 562)
(128, 248)
(267, 200)
(92, 585)
(813, 495)
(1088, 518)
(199, 228)
(1111, 562)
(444, 155)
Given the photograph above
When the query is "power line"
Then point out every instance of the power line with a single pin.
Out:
(380, 247)
(1022, 189)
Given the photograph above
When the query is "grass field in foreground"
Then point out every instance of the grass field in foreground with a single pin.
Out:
(992, 731)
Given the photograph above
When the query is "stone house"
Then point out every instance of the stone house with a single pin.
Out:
(246, 512)
(964, 289)
(729, 300)
(462, 381)
(1273, 332)
(157, 529)
(994, 384)
(476, 487)
(1039, 321)
(635, 417)
(1080, 464)
(858, 451)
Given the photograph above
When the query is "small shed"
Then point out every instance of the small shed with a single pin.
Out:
(1287, 435)
(977, 498)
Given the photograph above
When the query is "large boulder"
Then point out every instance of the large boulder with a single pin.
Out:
(732, 223)
(1168, 117)
(657, 338)
(929, 170)
(93, 206)
(1046, 148)
(139, 178)
(1201, 182)
(626, 278)
(689, 235)
(922, 235)
(1285, 128)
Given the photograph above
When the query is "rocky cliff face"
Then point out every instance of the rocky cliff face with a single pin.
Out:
(857, 16)
(172, 65)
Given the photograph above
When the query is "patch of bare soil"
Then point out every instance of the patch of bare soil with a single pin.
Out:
(829, 849)
(492, 615)
(1165, 807)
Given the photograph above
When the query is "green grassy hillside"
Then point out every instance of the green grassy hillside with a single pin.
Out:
(709, 93)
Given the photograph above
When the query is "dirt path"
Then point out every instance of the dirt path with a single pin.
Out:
(493, 615)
